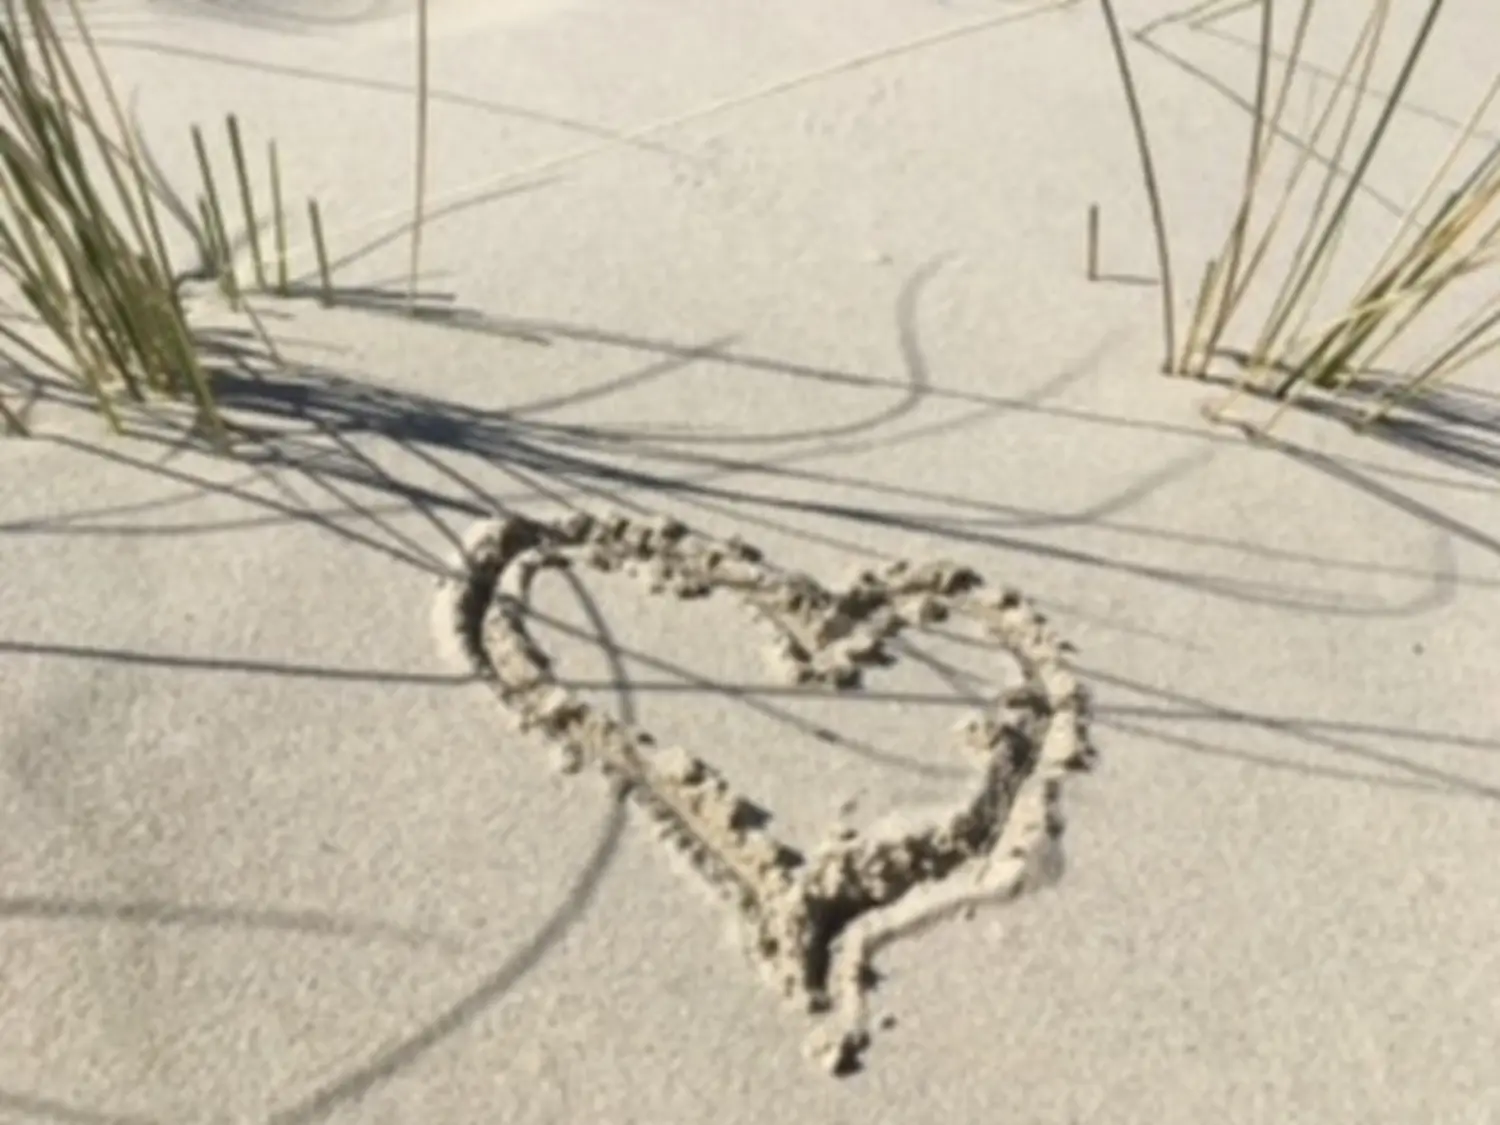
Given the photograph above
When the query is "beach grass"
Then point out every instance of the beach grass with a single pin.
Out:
(81, 240)
(1307, 340)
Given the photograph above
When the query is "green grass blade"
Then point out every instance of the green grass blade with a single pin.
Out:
(214, 216)
(247, 201)
(324, 273)
(278, 211)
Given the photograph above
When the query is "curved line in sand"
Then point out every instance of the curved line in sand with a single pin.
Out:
(813, 922)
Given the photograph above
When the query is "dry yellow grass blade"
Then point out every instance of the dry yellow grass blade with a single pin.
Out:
(1316, 250)
(1216, 304)
(1309, 146)
(420, 171)
(1417, 275)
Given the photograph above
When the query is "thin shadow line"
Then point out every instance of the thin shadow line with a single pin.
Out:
(33, 1106)
(914, 387)
(658, 368)
(1400, 501)
(1250, 592)
(760, 363)
(254, 15)
(424, 565)
(352, 1087)
(1343, 726)
(227, 664)
(860, 749)
(614, 653)
(1266, 761)
(419, 420)
(576, 469)
(157, 912)
(749, 361)
(961, 696)
(1027, 518)
(429, 218)
(1296, 730)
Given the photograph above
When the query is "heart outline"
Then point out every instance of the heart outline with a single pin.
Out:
(814, 921)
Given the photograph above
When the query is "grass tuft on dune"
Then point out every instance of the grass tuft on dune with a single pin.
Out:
(1306, 341)
(81, 239)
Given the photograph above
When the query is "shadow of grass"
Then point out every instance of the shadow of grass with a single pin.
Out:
(325, 429)
(1456, 427)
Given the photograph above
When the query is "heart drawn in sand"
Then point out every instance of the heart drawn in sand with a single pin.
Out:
(813, 920)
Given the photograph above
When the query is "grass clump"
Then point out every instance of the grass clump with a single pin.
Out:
(81, 240)
(1305, 341)
(79, 235)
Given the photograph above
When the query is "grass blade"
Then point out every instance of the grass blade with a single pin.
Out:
(421, 155)
(247, 201)
(1153, 191)
(326, 275)
(214, 215)
(278, 212)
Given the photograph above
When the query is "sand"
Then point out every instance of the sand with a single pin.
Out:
(285, 837)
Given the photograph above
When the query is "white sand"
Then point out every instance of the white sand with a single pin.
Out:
(269, 856)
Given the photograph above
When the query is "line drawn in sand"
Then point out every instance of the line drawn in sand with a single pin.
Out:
(813, 922)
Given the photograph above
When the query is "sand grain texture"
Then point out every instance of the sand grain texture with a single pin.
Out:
(267, 855)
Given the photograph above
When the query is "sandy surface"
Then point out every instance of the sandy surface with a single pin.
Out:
(271, 854)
